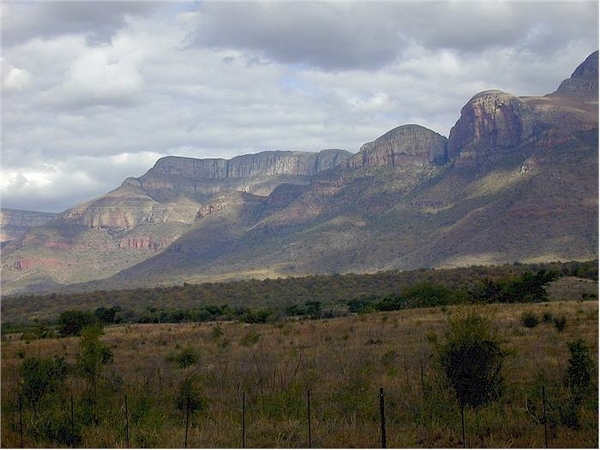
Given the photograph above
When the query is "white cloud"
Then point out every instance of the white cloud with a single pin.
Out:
(15, 79)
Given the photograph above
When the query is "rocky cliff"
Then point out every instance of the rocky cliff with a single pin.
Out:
(490, 122)
(14, 223)
(404, 145)
(257, 173)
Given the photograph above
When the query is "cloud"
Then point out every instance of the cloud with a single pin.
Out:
(94, 92)
(97, 20)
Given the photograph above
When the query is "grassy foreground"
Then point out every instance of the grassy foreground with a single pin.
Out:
(342, 362)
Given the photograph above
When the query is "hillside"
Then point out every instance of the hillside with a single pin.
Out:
(516, 180)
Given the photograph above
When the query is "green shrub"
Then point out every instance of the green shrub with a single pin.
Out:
(40, 376)
(547, 317)
(471, 359)
(71, 322)
(579, 371)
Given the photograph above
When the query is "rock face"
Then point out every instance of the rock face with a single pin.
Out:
(404, 145)
(583, 83)
(490, 122)
(258, 173)
(14, 223)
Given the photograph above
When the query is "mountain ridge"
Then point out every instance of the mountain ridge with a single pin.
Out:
(411, 198)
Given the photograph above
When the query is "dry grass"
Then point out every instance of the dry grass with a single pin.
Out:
(342, 361)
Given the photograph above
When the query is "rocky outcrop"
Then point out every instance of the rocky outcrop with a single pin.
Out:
(248, 166)
(258, 173)
(404, 145)
(583, 83)
(489, 123)
(14, 223)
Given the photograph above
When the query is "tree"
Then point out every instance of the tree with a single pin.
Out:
(471, 359)
(72, 321)
(40, 376)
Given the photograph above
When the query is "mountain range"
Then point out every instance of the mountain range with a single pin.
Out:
(516, 180)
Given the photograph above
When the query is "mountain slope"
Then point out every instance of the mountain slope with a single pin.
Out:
(516, 180)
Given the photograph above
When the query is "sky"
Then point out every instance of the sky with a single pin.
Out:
(94, 92)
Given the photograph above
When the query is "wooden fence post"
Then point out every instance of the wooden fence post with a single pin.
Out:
(382, 414)
(127, 423)
(187, 420)
(243, 420)
(21, 419)
(308, 416)
(545, 417)
(462, 421)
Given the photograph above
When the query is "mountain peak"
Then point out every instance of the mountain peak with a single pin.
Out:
(583, 83)
(404, 145)
(490, 120)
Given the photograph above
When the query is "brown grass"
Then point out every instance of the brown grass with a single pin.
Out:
(342, 361)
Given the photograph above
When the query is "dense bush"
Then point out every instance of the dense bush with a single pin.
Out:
(71, 322)
(471, 359)
(530, 320)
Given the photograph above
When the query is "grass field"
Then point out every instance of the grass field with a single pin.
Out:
(343, 362)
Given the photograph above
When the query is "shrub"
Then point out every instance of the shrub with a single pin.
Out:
(530, 320)
(71, 322)
(190, 396)
(560, 322)
(40, 376)
(579, 370)
(471, 359)
(185, 358)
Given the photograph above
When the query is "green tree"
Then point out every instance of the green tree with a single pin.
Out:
(471, 359)
(580, 370)
(40, 376)
(93, 355)
(71, 322)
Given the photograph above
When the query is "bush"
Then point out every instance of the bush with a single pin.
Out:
(579, 370)
(40, 376)
(189, 396)
(71, 322)
(530, 320)
(471, 359)
(560, 322)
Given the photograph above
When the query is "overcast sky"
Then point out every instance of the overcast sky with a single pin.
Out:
(94, 92)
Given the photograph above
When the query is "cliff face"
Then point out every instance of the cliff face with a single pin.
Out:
(490, 122)
(258, 173)
(14, 223)
(404, 145)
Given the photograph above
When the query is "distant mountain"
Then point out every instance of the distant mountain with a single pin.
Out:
(516, 180)
(14, 223)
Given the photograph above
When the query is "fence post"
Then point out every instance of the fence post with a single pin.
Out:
(187, 420)
(21, 419)
(72, 421)
(243, 420)
(127, 423)
(545, 417)
(462, 421)
(308, 415)
(382, 414)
